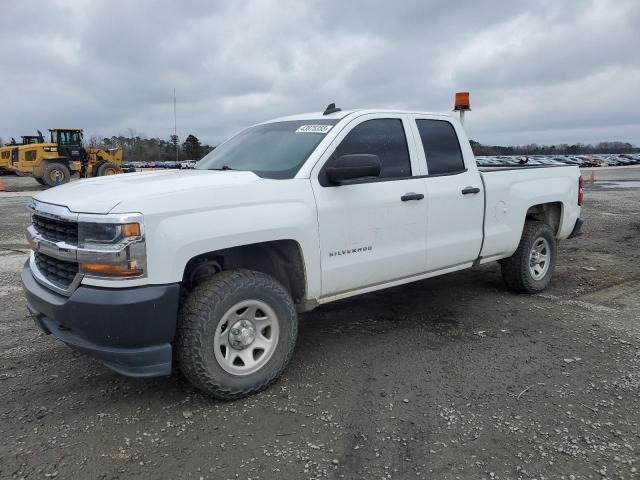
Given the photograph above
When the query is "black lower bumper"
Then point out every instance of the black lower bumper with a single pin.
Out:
(129, 329)
(576, 228)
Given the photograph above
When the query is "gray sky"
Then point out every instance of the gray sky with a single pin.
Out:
(538, 71)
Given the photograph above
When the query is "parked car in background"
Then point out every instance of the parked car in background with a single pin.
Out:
(532, 160)
(590, 162)
(488, 162)
(602, 161)
(546, 161)
(127, 168)
(188, 164)
(571, 161)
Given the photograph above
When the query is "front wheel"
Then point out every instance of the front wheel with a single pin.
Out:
(108, 168)
(236, 333)
(56, 173)
(530, 268)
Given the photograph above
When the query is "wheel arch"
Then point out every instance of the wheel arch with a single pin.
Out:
(281, 259)
(549, 213)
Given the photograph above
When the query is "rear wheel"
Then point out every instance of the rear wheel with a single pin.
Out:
(108, 168)
(236, 333)
(530, 268)
(53, 170)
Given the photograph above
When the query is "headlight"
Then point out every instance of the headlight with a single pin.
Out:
(112, 250)
(107, 234)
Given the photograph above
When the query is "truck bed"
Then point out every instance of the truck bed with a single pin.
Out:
(511, 191)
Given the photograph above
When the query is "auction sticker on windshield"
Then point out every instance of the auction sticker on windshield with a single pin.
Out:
(314, 129)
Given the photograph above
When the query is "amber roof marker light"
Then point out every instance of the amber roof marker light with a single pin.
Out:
(462, 104)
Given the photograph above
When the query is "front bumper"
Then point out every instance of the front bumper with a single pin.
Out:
(129, 329)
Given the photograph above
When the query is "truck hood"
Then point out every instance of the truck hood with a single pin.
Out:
(103, 194)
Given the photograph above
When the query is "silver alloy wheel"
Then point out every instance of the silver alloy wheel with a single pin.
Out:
(246, 337)
(539, 258)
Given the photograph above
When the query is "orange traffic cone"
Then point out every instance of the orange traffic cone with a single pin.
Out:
(1, 185)
(592, 177)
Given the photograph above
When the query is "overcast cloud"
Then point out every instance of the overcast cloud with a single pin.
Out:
(538, 71)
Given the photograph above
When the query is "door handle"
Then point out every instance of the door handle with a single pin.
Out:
(411, 196)
(468, 190)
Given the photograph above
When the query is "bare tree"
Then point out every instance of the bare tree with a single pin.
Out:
(95, 141)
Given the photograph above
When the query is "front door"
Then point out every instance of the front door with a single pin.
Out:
(372, 232)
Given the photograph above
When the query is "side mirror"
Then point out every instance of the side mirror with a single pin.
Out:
(351, 167)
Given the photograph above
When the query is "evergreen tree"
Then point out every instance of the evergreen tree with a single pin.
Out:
(192, 148)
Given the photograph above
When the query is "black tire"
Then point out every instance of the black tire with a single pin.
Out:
(107, 166)
(49, 174)
(198, 320)
(39, 180)
(515, 270)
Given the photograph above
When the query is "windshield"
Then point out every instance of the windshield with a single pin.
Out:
(272, 150)
(69, 137)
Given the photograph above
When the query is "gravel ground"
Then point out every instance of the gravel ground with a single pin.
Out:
(451, 377)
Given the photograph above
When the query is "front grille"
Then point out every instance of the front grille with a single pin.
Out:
(56, 271)
(56, 230)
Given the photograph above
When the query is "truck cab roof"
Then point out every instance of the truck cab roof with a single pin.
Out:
(354, 112)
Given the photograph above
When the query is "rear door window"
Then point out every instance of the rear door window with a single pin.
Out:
(441, 147)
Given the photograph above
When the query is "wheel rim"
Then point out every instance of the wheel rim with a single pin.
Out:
(110, 171)
(539, 258)
(246, 337)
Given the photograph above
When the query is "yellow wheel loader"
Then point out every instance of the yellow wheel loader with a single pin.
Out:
(54, 162)
(5, 150)
(5, 158)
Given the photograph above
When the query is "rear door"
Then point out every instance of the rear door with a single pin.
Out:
(373, 231)
(455, 194)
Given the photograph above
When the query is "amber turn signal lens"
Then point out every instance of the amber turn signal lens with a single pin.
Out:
(130, 270)
(131, 229)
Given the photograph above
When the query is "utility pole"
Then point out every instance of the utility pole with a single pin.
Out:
(175, 123)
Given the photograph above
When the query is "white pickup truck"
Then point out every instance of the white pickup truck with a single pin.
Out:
(206, 270)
